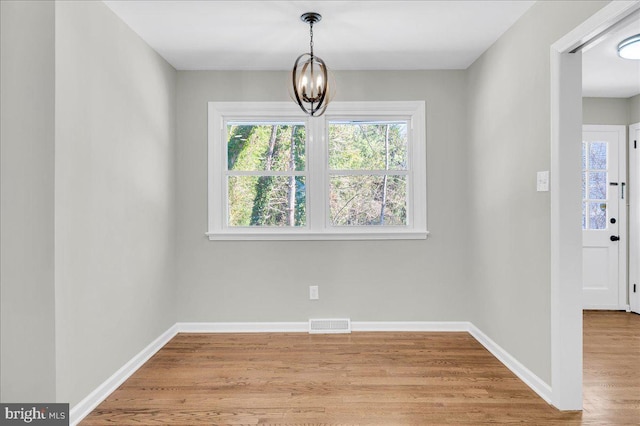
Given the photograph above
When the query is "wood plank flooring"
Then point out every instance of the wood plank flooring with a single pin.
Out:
(611, 379)
(368, 379)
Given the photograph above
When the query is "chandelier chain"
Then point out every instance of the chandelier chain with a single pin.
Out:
(311, 38)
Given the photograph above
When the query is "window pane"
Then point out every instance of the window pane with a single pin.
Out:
(584, 155)
(368, 145)
(598, 185)
(368, 200)
(598, 156)
(260, 147)
(597, 215)
(584, 215)
(267, 201)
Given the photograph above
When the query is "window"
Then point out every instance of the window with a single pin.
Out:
(357, 172)
(594, 185)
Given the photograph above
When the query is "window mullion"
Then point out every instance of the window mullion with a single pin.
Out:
(316, 174)
(369, 172)
(264, 173)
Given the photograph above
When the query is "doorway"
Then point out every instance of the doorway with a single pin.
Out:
(604, 217)
(634, 218)
(566, 238)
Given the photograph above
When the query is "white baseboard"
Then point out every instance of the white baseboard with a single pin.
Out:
(91, 401)
(538, 385)
(242, 327)
(303, 327)
(596, 307)
(84, 407)
(425, 326)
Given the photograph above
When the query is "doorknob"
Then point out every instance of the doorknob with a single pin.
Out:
(614, 238)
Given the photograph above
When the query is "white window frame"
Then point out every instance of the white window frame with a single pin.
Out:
(318, 225)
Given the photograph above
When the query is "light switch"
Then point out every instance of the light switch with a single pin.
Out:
(313, 292)
(543, 181)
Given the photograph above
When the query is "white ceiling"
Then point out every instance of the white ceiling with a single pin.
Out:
(240, 35)
(385, 35)
(604, 73)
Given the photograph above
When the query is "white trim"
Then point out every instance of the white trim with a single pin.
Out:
(91, 401)
(318, 226)
(303, 327)
(634, 219)
(419, 326)
(593, 26)
(566, 245)
(538, 385)
(565, 231)
(242, 327)
(598, 307)
(373, 234)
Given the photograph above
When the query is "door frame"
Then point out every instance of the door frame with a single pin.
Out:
(634, 219)
(621, 130)
(565, 211)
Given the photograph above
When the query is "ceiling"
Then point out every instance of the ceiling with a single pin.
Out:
(383, 35)
(269, 35)
(604, 73)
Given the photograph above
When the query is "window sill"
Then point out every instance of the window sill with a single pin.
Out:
(315, 236)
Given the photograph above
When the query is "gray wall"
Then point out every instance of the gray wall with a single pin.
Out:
(27, 347)
(509, 130)
(114, 204)
(606, 111)
(371, 280)
(634, 109)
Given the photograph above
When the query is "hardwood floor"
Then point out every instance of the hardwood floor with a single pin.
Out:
(368, 378)
(611, 376)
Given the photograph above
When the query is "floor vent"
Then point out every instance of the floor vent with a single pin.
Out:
(329, 326)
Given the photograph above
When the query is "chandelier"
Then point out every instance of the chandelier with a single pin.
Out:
(310, 76)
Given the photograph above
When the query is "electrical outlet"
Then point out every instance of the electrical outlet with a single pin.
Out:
(313, 292)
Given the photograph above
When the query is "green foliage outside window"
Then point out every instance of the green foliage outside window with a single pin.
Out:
(367, 181)
(368, 199)
(263, 200)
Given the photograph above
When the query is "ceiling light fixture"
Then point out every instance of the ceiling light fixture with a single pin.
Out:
(629, 48)
(310, 76)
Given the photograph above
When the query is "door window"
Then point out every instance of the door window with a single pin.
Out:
(594, 185)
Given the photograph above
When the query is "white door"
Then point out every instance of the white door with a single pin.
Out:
(634, 217)
(603, 217)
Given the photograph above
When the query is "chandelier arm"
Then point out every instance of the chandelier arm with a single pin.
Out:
(325, 75)
(294, 76)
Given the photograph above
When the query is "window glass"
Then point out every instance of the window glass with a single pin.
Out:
(598, 156)
(266, 146)
(368, 145)
(258, 191)
(368, 200)
(594, 185)
(597, 215)
(267, 201)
